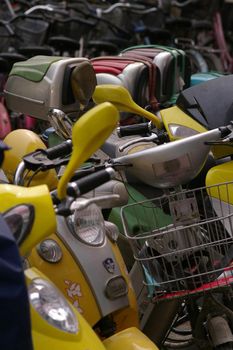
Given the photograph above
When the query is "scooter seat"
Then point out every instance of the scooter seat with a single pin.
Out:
(12, 57)
(103, 45)
(210, 103)
(34, 50)
(132, 75)
(63, 43)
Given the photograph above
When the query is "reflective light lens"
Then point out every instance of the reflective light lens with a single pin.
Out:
(181, 131)
(52, 306)
(49, 250)
(88, 225)
(20, 219)
(112, 231)
(116, 288)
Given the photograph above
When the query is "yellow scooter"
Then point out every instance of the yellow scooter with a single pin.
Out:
(172, 123)
(68, 255)
(55, 323)
(84, 286)
(88, 134)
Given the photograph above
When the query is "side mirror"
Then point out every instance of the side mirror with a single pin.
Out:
(83, 82)
(88, 134)
(122, 100)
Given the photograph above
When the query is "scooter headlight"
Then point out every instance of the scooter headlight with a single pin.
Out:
(20, 219)
(181, 131)
(88, 225)
(52, 306)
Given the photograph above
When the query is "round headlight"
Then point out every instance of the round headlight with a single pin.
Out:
(52, 306)
(88, 225)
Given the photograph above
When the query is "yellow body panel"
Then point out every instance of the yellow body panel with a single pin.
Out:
(221, 151)
(22, 142)
(127, 317)
(120, 97)
(221, 174)
(130, 339)
(67, 276)
(174, 115)
(47, 337)
(44, 222)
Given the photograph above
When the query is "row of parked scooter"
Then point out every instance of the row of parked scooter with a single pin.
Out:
(162, 260)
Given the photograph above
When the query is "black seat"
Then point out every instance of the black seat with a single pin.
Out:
(209, 103)
(62, 43)
(31, 51)
(11, 58)
(4, 66)
(102, 45)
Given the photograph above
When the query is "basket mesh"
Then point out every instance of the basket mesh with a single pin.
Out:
(31, 31)
(183, 240)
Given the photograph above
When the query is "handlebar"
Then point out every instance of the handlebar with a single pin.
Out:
(126, 5)
(135, 129)
(43, 160)
(39, 7)
(90, 182)
(61, 150)
(183, 4)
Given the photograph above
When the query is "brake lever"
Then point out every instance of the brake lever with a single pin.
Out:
(82, 203)
(151, 138)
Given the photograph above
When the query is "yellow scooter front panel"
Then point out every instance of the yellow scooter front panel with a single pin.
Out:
(126, 317)
(39, 197)
(221, 174)
(174, 116)
(70, 280)
(47, 337)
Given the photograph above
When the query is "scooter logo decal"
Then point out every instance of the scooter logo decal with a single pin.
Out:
(74, 293)
(109, 265)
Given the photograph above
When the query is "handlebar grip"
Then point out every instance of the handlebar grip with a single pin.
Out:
(88, 183)
(61, 150)
(135, 129)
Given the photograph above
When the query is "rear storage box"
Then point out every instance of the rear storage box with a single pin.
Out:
(40, 83)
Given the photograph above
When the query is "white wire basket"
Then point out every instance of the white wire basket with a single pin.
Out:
(184, 240)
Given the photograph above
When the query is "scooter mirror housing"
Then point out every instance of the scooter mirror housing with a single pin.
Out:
(88, 135)
(40, 83)
(120, 97)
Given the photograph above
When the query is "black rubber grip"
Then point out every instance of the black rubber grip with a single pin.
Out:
(87, 171)
(61, 150)
(135, 129)
(89, 182)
